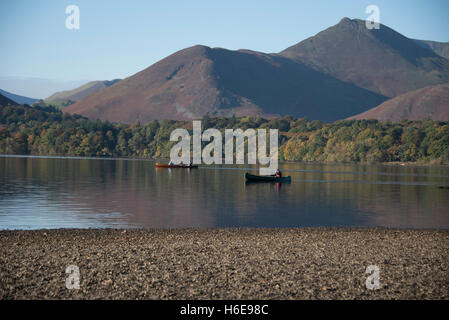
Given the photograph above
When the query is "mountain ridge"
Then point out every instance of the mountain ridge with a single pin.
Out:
(440, 48)
(201, 80)
(430, 102)
(380, 60)
(4, 101)
(18, 98)
(68, 97)
(342, 71)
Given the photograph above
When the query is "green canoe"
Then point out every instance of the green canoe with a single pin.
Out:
(252, 177)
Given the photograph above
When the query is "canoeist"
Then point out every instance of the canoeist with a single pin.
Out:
(278, 173)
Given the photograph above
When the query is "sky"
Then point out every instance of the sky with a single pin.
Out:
(119, 38)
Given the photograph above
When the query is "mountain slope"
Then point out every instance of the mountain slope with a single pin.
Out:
(71, 96)
(440, 48)
(36, 87)
(17, 98)
(430, 102)
(200, 80)
(382, 60)
(4, 101)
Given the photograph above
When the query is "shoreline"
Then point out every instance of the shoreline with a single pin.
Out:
(391, 163)
(298, 263)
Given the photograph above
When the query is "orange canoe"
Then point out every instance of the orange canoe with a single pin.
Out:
(182, 166)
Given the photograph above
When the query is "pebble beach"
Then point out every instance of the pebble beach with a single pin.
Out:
(300, 263)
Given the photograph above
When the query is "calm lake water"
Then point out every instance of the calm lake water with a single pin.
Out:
(40, 193)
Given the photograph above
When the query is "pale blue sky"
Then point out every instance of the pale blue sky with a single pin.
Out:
(119, 38)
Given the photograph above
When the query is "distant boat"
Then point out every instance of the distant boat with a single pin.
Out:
(252, 177)
(181, 166)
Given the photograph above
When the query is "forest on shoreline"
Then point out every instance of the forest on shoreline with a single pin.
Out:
(47, 131)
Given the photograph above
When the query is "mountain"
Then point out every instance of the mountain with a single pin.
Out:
(68, 97)
(200, 80)
(440, 48)
(4, 101)
(36, 87)
(18, 99)
(429, 102)
(343, 70)
(380, 60)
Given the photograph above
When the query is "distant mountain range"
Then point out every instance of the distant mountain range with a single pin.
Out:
(63, 98)
(69, 97)
(429, 102)
(17, 98)
(202, 80)
(38, 88)
(342, 71)
(345, 71)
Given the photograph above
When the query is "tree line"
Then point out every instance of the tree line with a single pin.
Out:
(47, 131)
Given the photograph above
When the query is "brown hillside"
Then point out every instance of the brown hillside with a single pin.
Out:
(200, 80)
(180, 86)
(440, 48)
(382, 60)
(430, 102)
(82, 91)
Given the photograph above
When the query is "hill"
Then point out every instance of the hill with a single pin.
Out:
(429, 102)
(38, 88)
(344, 70)
(68, 97)
(440, 48)
(381, 60)
(200, 80)
(17, 98)
(4, 101)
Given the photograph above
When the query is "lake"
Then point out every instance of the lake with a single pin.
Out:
(40, 192)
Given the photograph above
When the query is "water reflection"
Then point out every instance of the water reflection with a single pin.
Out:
(53, 193)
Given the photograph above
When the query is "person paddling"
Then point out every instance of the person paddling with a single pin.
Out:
(278, 173)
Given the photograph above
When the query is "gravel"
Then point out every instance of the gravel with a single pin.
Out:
(319, 263)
